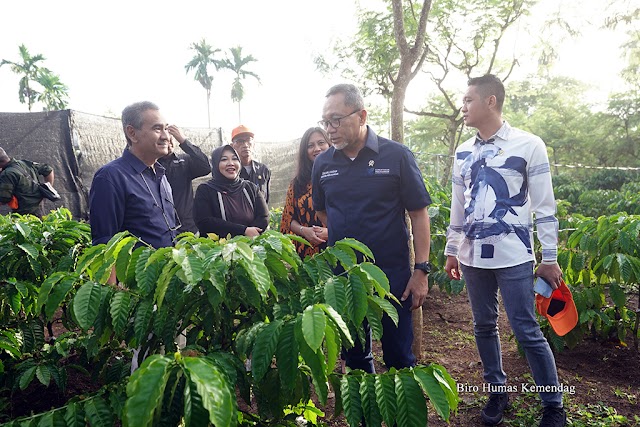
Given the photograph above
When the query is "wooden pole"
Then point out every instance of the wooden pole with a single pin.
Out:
(416, 315)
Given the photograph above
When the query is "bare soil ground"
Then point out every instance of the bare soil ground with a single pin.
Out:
(604, 375)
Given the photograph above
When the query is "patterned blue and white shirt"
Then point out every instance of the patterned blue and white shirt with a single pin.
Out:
(498, 187)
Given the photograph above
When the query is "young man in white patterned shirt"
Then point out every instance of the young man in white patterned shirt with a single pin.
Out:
(501, 179)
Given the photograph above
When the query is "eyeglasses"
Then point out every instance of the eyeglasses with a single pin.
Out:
(335, 122)
(247, 141)
(175, 213)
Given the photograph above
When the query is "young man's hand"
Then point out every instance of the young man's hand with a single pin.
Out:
(551, 273)
(452, 267)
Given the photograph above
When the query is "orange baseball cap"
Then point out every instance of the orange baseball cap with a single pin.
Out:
(242, 129)
(559, 309)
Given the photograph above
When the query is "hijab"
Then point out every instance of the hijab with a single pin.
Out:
(219, 182)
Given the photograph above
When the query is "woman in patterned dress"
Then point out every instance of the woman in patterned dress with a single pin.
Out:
(298, 216)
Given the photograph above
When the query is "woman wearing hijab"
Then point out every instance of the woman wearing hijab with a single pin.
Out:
(298, 216)
(228, 204)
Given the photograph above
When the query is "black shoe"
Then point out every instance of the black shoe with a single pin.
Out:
(493, 411)
(553, 417)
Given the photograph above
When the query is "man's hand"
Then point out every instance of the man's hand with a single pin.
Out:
(418, 288)
(551, 273)
(452, 268)
(175, 132)
(252, 231)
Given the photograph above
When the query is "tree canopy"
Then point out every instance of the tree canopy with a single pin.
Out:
(37, 83)
(204, 57)
(237, 63)
(468, 39)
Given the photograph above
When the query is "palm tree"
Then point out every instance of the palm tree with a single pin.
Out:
(55, 93)
(200, 63)
(29, 70)
(236, 64)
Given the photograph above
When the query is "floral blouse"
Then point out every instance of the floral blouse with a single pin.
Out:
(301, 210)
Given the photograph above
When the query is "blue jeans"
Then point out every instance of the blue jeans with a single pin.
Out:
(516, 287)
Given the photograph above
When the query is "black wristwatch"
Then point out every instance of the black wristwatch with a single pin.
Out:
(424, 266)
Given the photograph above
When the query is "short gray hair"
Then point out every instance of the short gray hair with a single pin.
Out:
(132, 115)
(352, 95)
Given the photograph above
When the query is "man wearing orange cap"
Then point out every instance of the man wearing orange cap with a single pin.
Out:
(501, 180)
(252, 170)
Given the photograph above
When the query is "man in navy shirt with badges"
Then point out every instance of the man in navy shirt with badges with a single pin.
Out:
(132, 192)
(362, 186)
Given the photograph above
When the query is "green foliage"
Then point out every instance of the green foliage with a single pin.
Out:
(566, 187)
(628, 200)
(575, 132)
(275, 218)
(203, 59)
(238, 301)
(593, 202)
(32, 248)
(96, 409)
(237, 63)
(439, 212)
(38, 257)
(54, 93)
(425, 40)
(397, 397)
(608, 180)
(602, 263)
(603, 194)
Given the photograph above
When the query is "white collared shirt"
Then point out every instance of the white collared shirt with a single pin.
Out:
(498, 187)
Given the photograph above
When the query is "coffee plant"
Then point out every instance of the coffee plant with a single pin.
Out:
(601, 262)
(439, 212)
(262, 333)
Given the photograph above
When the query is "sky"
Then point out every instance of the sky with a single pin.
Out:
(111, 54)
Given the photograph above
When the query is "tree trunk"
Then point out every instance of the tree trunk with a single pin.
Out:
(416, 318)
(397, 109)
(454, 125)
(410, 56)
